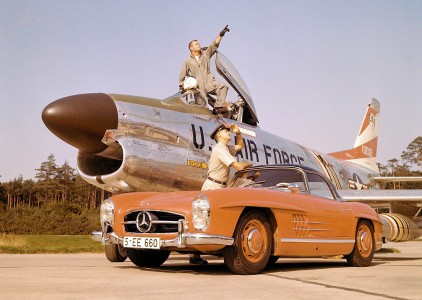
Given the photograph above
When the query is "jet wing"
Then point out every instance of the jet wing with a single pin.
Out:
(398, 179)
(381, 197)
(226, 69)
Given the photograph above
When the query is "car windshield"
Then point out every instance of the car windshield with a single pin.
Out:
(269, 178)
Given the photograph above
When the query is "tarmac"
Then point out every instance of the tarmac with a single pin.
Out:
(91, 276)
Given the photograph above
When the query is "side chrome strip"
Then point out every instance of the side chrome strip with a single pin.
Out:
(321, 241)
(308, 222)
(310, 229)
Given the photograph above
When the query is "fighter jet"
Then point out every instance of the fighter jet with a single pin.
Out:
(130, 143)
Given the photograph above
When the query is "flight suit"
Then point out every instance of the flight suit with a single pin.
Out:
(219, 166)
(200, 69)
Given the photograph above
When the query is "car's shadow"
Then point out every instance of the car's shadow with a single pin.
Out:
(216, 266)
(384, 259)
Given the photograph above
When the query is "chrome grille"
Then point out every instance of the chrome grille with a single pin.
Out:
(151, 221)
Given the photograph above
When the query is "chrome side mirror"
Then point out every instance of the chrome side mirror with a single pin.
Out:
(293, 187)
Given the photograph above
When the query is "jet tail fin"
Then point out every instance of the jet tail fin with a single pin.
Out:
(364, 152)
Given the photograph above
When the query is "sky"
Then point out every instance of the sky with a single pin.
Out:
(312, 67)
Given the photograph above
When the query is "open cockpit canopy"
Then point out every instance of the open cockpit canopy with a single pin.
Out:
(226, 69)
(246, 112)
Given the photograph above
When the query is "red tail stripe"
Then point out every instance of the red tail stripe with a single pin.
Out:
(366, 150)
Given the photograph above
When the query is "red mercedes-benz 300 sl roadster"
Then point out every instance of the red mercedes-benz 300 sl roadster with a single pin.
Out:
(265, 213)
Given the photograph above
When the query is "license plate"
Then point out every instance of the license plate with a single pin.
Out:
(141, 242)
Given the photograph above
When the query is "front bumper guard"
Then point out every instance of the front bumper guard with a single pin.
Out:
(182, 240)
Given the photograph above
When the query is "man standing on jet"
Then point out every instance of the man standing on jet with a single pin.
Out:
(197, 65)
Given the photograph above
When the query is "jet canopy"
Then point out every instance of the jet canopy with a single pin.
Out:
(226, 69)
(245, 109)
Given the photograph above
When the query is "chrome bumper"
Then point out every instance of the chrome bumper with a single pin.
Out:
(182, 240)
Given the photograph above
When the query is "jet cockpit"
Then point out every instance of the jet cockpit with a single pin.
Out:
(243, 107)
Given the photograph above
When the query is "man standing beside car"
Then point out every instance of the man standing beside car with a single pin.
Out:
(222, 157)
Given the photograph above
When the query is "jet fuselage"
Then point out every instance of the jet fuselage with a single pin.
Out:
(130, 143)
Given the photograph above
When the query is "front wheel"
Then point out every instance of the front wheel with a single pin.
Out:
(147, 258)
(364, 248)
(252, 246)
(115, 253)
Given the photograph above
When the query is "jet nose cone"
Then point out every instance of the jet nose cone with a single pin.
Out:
(81, 120)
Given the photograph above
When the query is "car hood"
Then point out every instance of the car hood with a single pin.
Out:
(177, 202)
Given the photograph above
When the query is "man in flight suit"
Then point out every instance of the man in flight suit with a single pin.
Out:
(219, 164)
(197, 65)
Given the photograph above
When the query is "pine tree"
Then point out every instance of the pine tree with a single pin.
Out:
(413, 153)
(46, 189)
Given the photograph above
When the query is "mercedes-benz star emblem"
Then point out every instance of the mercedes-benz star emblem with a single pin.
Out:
(143, 221)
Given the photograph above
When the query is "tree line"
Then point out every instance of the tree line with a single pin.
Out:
(59, 201)
(410, 164)
(53, 184)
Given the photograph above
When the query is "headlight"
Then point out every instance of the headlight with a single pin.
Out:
(200, 212)
(107, 212)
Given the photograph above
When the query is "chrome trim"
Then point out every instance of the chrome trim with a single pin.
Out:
(149, 219)
(182, 240)
(129, 223)
(311, 222)
(96, 236)
(190, 239)
(310, 229)
(111, 238)
(287, 240)
(153, 221)
(164, 222)
(155, 210)
(308, 222)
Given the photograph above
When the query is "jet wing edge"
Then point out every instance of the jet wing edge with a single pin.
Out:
(398, 179)
(382, 196)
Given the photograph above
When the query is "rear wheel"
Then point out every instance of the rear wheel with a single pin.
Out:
(115, 253)
(252, 246)
(147, 258)
(364, 248)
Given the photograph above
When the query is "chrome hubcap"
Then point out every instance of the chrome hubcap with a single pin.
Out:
(255, 241)
(364, 241)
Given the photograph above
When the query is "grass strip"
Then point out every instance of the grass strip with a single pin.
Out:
(32, 244)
